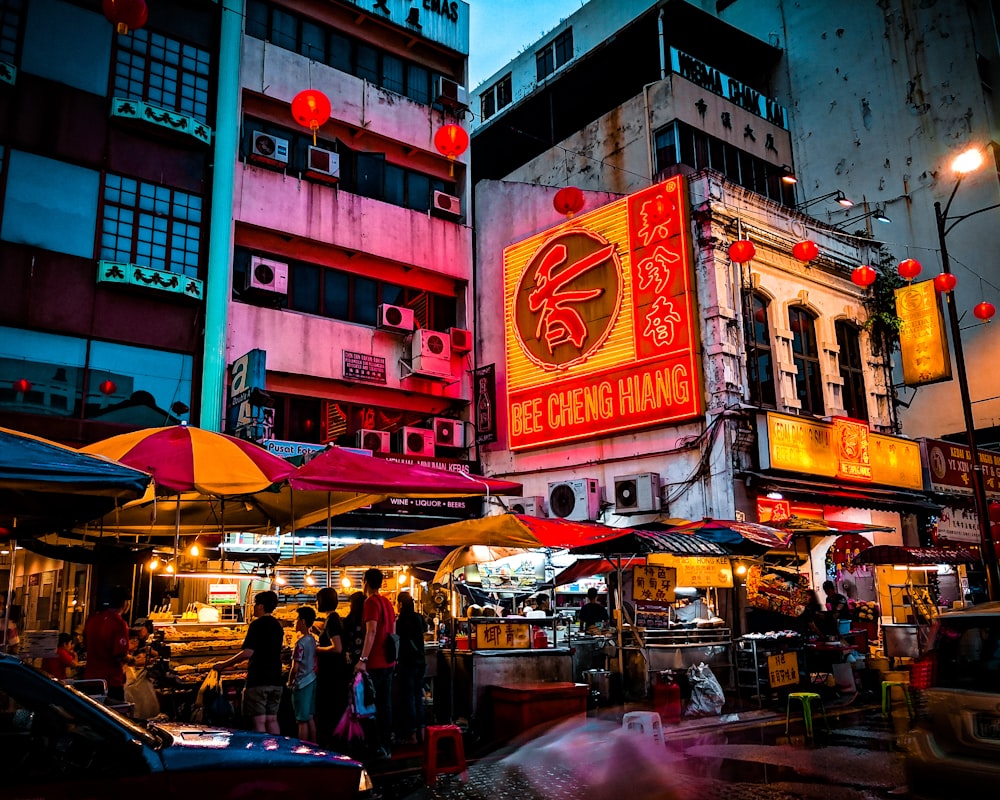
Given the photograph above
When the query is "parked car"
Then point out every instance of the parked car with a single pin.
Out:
(56, 742)
(956, 739)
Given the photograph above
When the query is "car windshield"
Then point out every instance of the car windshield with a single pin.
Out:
(967, 652)
(135, 729)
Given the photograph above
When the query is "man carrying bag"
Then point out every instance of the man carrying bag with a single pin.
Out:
(380, 629)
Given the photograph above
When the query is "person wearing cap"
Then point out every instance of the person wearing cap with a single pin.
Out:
(140, 650)
(106, 635)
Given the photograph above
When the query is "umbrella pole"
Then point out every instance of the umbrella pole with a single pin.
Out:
(177, 543)
(452, 645)
(329, 534)
(620, 626)
(10, 594)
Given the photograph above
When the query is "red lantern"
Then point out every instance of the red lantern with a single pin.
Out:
(22, 386)
(945, 282)
(451, 141)
(741, 251)
(568, 201)
(985, 311)
(806, 250)
(126, 14)
(311, 108)
(909, 268)
(760, 316)
(864, 276)
(108, 387)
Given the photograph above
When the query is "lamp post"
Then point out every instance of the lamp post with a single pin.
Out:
(964, 163)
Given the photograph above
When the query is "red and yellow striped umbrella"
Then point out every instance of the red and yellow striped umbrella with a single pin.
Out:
(182, 458)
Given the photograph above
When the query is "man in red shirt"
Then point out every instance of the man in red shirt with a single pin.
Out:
(380, 620)
(106, 638)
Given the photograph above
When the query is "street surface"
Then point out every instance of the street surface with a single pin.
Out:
(860, 759)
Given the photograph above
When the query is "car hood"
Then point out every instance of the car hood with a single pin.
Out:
(195, 746)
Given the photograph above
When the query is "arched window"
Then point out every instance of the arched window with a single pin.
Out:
(805, 354)
(760, 363)
(851, 371)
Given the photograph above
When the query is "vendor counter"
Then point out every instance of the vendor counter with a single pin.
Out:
(649, 652)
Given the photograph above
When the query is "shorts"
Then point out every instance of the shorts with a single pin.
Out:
(304, 702)
(261, 701)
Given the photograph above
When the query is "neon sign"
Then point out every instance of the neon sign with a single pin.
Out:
(600, 329)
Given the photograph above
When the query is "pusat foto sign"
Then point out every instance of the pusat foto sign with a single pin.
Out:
(599, 316)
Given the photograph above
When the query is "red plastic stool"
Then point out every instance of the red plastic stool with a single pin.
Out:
(444, 753)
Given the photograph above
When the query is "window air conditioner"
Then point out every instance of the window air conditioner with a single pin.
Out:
(265, 275)
(416, 442)
(323, 164)
(578, 499)
(527, 506)
(448, 432)
(376, 441)
(451, 94)
(268, 149)
(446, 205)
(430, 353)
(461, 340)
(637, 494)
(394, 318)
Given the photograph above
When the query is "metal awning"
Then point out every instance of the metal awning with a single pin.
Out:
(641, 542)
(845, 495)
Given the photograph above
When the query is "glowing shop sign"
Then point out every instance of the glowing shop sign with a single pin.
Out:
(599, 315)
(923, 349)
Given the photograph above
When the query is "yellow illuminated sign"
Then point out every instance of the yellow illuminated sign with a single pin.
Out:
(922, 344)
(700, 571)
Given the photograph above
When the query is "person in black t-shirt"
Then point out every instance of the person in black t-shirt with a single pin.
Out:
(333, 670)
(592, 614)
(262, 648)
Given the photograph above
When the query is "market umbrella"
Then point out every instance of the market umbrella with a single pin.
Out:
(735, 533)
(797, 524)
(366, 554)
(509, 530)
(46, 486)
(472, 554)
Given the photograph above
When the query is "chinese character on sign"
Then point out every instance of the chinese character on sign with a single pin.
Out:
(660, 322)
(557, 323)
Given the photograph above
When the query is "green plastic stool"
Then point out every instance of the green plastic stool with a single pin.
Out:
(805, 698)
(887, 697)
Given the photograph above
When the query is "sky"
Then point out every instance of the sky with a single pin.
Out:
(501, 29)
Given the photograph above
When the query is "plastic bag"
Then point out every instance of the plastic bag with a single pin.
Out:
(140, 693)
(360, 706)
(707, 697)
(211, 705)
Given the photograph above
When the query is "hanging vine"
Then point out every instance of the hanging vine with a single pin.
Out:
(883, 325)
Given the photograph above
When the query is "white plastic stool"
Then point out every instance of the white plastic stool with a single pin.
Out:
(644, 722)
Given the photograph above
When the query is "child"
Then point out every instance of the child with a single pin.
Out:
(302, 677)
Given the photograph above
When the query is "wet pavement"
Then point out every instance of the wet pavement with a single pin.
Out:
(743, 755)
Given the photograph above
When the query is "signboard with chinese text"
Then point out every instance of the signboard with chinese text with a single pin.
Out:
(853, 455)
(653, 585)
(783, 669)
(948, 468)
(600, 324)
(923, 348)
(363, 367)
(501, 635)
(960, 525)
(771, 511)
(699, 571)
(813, 447)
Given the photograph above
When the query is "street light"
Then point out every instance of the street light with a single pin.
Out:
(963, 164)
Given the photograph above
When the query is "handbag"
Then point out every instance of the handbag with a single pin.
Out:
(391, 644)
(140, 693)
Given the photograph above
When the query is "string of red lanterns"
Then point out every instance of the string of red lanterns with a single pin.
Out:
(568, 201)
(806, 250)
(741, 251)
(108, 387)
(451, 141)
(863, 276)
(126, 15)
(945, 282)
(311, 108)
(22, 386)
(984, 311)
(909, 268)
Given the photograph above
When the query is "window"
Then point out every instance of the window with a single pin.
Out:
(851, 371)
(149, 225)
(11, 13)
(500, 94)
(164, 72)
(805, 354)
(554, 54)
(760, 363)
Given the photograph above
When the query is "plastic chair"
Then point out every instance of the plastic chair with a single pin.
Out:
(644, 722)
(805, 699)
(887, 687)
(444, 753)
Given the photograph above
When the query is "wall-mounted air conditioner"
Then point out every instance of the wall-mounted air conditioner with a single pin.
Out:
(323, 164)
(448, 432)
(394, 318)
(416, 442)
(578, 499)
(268, 149)
(461, 340)
(376, 441)
(430, 353)
(446, 205)
(451, 94)
(637, 494)
(527, 506)
(265, 275)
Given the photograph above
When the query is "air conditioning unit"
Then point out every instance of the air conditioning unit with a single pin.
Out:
(527, 506)
(578, 499)
(268, 149)
(430, 353)
(394, 318)
(451, 94)
(265, 275)
(446, 205)
(376, 441)
(416, 442)
(461, 340)
(323, 164)
(637, 494)
(448, 432)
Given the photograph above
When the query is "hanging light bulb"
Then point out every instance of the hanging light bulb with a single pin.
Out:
(345, 582)
(741, 569)
(170, 569)
(154, 564)
(194, 551)
(279, 580)
(310, 580)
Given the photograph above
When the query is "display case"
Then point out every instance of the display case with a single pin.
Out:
(192, 647)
